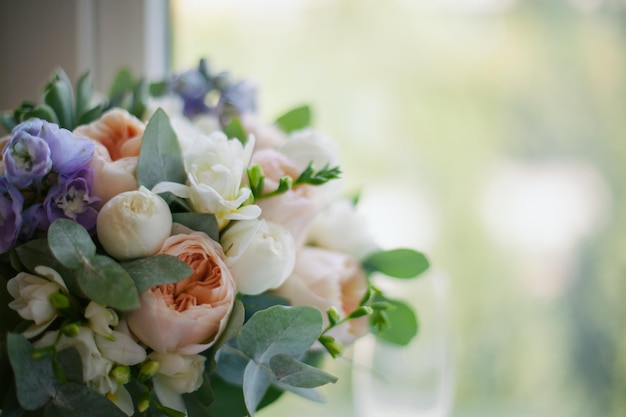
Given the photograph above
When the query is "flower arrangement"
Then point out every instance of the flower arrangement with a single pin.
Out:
(165, 252)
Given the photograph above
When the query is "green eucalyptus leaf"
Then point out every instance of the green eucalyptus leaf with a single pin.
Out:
(397, 263)
(140, 97)
(280, 329)
(34, 378)
(72, 365)
(70, 243)
(103, 280)
(156, 270)
(296, 119)
(231, 365)
(60, 97)
(11, 406)
(37, 252)
(201, 222)
(158, 89)
(232, 329)
(78, 400)
(254, 303)
(403, 324)
(229, 399)
(256, 381)
(235, 130)
(292, 372)
(160, 158)
(84, 90)
(308, 393)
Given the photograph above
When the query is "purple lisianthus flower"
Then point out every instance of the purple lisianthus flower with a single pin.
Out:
(68, 153)
(71, 198)
(11, 203)
(26, 158)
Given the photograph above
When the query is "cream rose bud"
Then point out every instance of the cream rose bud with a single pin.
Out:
(134, 224)
(260, 254)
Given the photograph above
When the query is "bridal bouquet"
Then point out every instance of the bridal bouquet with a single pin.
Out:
(165, 252)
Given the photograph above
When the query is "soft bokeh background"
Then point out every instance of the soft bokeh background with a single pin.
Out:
(490, 134)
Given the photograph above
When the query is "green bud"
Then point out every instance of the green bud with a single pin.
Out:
(381, 305)
(143, 405)
(360, 312)
(332, 345)
(148, 370)
(367, 296)
(333, 315)
(59, 301)
(121, 374)
(71, 329)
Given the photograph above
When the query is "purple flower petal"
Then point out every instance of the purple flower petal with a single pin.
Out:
(11, 203)
(27, 159)
(71, 198)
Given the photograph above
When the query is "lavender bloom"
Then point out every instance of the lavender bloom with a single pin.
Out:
(11, 203)
(68, 153)
(26, 158)
(192, 86)
(71, 198)
(239, 98)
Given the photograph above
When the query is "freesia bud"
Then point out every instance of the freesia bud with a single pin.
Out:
(59, 301)
(148, 370)
(121, 374)
(71, 330)
(332, 345)
(134, 224)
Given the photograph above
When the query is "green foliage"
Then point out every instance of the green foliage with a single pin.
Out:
(70, 243)
(293, 372)
(400, 322)
(295, 119)
(37, 385)
(160, 158)
(128, 93)
(156, 270)
(310, 176)
(397, 263)
(201, 222)
(235, 130)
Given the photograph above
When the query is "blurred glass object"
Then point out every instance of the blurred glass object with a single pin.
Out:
(416, 380)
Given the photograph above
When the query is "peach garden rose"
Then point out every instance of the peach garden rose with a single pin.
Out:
(117, 135)
(188, 316)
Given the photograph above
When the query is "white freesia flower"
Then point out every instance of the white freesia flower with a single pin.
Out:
(215, 168)
(31, 295)
(178, 374)
(259, 253)
(340, 228)
(134, 224)
(98, 357)
(101, 318)
(171, 104)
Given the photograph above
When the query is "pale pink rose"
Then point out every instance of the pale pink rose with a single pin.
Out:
(294, 209)
(266, 136)
(187, 317)
(325, 279)
(117, 135)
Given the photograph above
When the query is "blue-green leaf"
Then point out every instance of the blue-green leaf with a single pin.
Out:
(160, 158)
(292, 372)
(60, 97)
(296, 119)
(103, 280)
(156, 270)
(201, 222)
(256, 381)
(70, 243)
(84, 90)
(397, 263)
(235, 130)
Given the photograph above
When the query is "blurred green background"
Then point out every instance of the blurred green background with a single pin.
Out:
(489, 134)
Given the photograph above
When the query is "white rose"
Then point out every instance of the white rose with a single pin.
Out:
(304, 146)
(215, 168)
(341, 229)
(178, 374)
(325, 279)
(134, 224)
(31, 295)
(260, 254)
